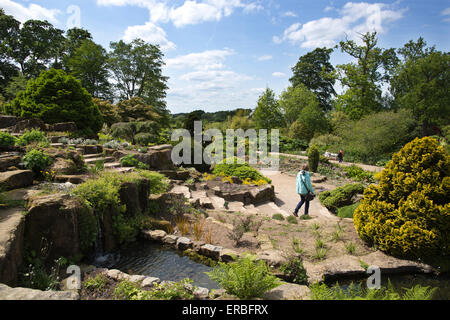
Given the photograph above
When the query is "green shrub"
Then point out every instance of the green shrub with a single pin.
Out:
(244, 278)
(30, 136)
(295, 271)
(158, 182)
(37, 161)
(243, 171)
(55, 97)
(95, 285)
(341, 196)
(408, 212)
(347, 211)
(313, 158)
(123, 130)
(6, 139)
(144, 139)
(377, 136)
(359, 174)
(128, 161)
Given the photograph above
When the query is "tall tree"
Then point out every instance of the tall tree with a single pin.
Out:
(293, 100)
(268, 113)
(89, 64)
(9, 31)
(421, 85)
(75, 38)
(315, 71)
(364, 78)
(39, 46)
(137, 69)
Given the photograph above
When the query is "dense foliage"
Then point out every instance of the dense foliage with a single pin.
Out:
(245, 278)
(341, 196)
(54, 97)
(235, 169)
(37, 161)
(408, 212)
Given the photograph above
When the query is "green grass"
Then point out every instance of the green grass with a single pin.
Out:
(278, 216)
(347, 211)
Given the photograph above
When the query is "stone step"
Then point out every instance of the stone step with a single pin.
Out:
(57, 145)
(90, 156)
(104, 159)
(119, 169)
(113, 165)
(16, 179)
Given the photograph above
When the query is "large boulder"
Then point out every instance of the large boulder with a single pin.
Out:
(28, 124)
(9, 161)
(135, 196)
(54, 219)
(11, 244)
(16, 179)
(262, 194)
(63, 166)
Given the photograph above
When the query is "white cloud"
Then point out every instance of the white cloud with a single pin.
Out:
(149, 33)
(188, 13)
(355, 18)
(279, 74)
(289, 14)
(33, 11)
(446, 12)
(206, 60)
(328, 8)
(265, 58)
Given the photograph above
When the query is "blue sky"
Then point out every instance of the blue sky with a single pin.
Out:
(221, 54)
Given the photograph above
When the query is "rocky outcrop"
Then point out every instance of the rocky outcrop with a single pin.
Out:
(53, 220)
(288, 291)
(262, 194)
(28, 124)
(8, 293)
(63, 166)
(63, 127)
(16, 179)
(135, 196)
(9, 161)
(11, 244)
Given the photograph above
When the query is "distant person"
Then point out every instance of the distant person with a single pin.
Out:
(340, 156)
(304, 189)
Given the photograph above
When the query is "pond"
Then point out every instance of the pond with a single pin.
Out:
(154, 260)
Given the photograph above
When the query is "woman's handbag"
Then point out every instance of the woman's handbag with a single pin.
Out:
(309, 196)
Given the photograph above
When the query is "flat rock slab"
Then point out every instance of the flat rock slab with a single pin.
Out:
(332, 268)
(184, 243)
(288, 291)
(156, 235)
(16, 179)
(389, 264)
(74, 179)
(8, 293)
(181, 190)
(94, 160)
(211, 251)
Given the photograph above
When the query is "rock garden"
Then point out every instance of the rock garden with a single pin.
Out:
(73, 201)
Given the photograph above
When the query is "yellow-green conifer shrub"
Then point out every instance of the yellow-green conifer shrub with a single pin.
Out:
(408, 213)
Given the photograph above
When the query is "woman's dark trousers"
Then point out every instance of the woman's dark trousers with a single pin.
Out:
(302, 201)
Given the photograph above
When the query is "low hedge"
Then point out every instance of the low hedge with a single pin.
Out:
(340, 197)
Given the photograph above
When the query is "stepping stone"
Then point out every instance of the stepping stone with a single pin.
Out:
(119, 170)
(94, 160)
(116, 165)
(218, 202)
(57, 145)
(181, 190)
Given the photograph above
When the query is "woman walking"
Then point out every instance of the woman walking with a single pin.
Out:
(304, 189)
